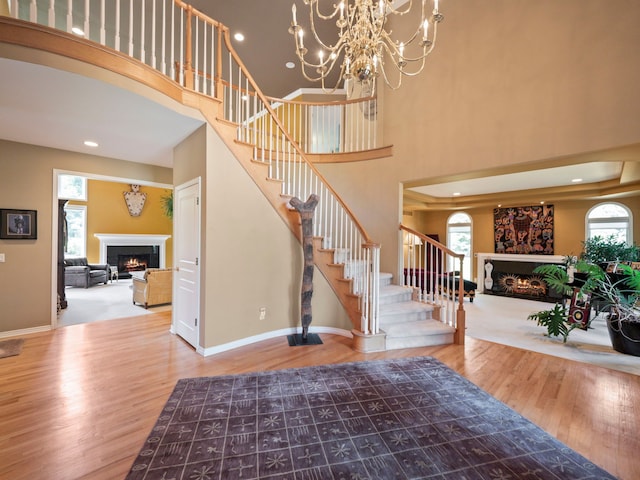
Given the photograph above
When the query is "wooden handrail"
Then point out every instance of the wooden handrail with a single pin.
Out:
(433, 242)
(344, 228)
(278, 122)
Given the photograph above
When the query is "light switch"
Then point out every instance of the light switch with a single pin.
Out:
(1, 257)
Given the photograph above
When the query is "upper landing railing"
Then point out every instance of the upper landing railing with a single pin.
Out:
(195, 51)
(341, 126)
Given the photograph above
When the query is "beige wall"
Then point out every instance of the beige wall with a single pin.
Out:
(569, 225)
(510, 81)
(252, 259)
(26, 182)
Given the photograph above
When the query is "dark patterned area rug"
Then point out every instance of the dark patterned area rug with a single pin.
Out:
(390, 419)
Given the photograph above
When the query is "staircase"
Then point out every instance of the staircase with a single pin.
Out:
(232, 103)
(408, 323)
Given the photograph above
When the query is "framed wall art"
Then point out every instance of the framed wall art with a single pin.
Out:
(18, 224)
(524, 230)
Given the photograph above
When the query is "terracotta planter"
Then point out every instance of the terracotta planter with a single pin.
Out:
(625, 336)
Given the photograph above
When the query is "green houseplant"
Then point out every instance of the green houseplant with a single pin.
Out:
(608, 249)
(555, 320)
(166, 202)
(615, 293)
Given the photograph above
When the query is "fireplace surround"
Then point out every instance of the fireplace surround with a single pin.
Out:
(132, 252)
(511, 275)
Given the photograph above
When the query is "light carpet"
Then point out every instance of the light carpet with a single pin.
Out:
(103, 302)
(504, 320)
(410, 418)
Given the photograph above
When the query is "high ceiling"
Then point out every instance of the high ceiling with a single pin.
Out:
(130, 127)
(268, 45)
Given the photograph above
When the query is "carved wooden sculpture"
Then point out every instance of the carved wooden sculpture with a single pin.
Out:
(306, 215)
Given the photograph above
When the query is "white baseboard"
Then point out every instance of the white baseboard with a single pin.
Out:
(25, 331)
(206, 352)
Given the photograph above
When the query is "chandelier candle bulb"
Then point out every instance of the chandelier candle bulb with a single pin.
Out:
(426, 30)
(435, 6)
(300, 35)
(293, 12)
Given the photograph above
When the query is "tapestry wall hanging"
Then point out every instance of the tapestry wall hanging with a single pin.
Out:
(524, 230)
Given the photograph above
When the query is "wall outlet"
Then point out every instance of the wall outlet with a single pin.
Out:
(263, 313)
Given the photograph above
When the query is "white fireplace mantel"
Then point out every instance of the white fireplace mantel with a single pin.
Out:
(511, 257)
(120, 240)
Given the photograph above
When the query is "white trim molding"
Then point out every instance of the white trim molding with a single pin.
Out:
(267, 335)
(510, 257)
(25, 331)
(120, 239)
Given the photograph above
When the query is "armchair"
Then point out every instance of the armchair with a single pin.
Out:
(80, 273)
(153, 287)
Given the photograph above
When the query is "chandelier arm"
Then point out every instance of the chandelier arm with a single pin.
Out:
(320, 15)
(317, 38)
(402, 70)
(333, 57)
(388, 82)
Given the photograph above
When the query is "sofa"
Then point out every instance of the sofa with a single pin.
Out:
(78, 272)
(153, 286)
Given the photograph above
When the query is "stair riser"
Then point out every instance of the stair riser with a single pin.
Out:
(419, 341)
(402, 317)
(397, 298)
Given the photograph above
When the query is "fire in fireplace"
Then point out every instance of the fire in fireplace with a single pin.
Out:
(133, 263)
(516, 279)
(523, 284)
(132, 258)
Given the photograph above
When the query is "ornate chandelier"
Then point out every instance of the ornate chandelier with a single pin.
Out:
(365, 49)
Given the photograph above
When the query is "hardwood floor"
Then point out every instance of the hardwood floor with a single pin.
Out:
(78, 402)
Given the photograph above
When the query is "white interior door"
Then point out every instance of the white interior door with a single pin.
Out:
(186, 308)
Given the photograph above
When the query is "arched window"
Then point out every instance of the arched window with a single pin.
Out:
(607, 219)
(459, 240)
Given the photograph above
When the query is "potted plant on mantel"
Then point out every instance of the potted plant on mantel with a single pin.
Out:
(614, 291)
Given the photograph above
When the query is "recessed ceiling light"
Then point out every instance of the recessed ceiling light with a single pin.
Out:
(456, 194)
(576, 180)
(290, 65)
(239, 37)
(542, 202)
(78, 31)
(90, 143)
